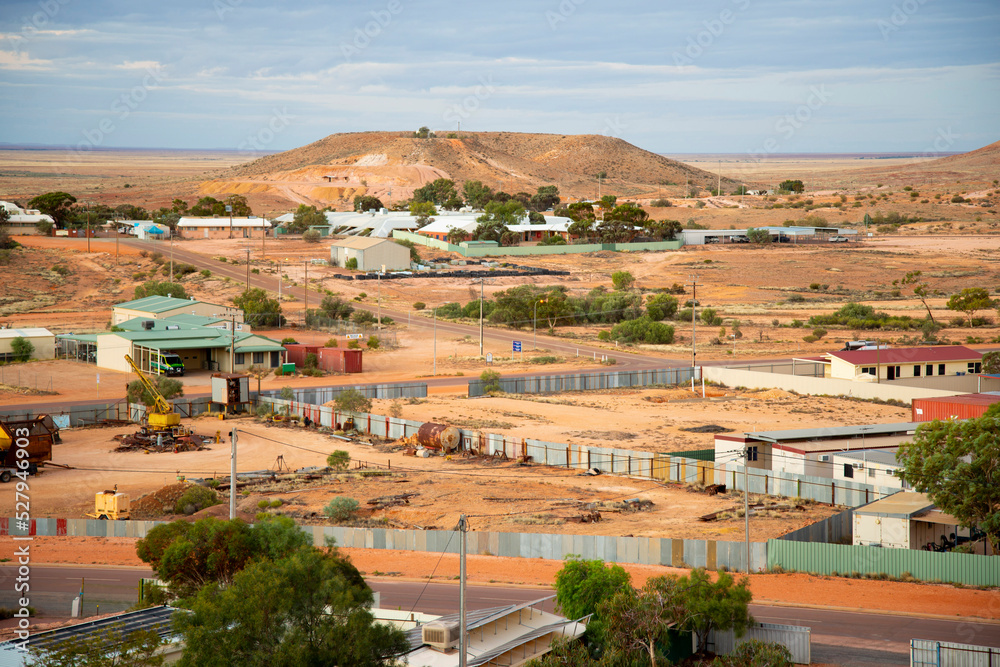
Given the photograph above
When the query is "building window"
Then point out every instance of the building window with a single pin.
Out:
(871, 472)
(258, 357)
(916, 371)
(869, 370)
(751, 453)
(930, 370)
(275, 359)
(941, 370)
(975, 367)
(848, 471)
(238, 359)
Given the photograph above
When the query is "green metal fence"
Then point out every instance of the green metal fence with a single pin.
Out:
(967, 569)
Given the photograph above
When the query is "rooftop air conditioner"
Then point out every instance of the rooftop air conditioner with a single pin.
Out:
(440, 636)
(824, 457)
(148, 324)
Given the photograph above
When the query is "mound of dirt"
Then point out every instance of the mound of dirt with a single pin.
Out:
(341, 166)
(157, 504)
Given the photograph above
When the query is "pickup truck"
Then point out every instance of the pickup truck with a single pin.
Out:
(839, 239)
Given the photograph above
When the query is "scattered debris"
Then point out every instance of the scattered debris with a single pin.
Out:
(708, 428)
(173, 440)
(391, 501)
(715, 489)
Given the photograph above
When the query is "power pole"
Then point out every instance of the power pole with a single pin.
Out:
(232, 478)
(746, 499)
(248, 262)
(435, 340)
(481, 282)
(694, 328)
(463, 636)
(88, 228)
(378, 299)
(718, 190)
(305, 314)
(232, 344)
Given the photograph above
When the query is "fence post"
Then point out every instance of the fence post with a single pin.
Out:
(567, 457)
(833, 493)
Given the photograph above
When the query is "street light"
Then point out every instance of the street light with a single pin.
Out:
(534, 324)
(733, 336)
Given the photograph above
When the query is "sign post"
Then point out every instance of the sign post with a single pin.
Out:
(515, 347)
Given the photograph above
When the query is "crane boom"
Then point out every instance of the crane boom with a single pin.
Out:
(162, 405)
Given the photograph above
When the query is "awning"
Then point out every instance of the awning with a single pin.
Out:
(259, 348)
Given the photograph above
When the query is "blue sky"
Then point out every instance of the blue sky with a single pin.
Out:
(729, 76)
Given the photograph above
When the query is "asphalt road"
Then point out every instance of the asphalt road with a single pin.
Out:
(838, 637)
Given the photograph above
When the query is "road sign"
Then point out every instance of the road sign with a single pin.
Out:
(489, 357)
(517, 346)
(354, 336)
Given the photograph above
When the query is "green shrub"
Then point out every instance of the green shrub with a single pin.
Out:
(60, 269)
(544, 360)
(205, 273)
(810, 338)
(263, 504)
(288, 340)
(756, 653)
(819, 333)
(339, 460)
(21, 349)
(311, 360)
(419, 305)
(331, 343)
(643, 330)
(195, 499)
(352, 264)
(353, 345)
(276, 503)
(373, 343)
(341, 508)
(313, 236)
(490, 380)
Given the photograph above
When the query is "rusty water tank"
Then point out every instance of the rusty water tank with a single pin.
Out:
(439, 436)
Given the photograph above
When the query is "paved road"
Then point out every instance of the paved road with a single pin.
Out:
(839, 637)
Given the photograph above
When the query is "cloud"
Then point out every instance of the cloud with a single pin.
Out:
(12, 60)
(139, 64)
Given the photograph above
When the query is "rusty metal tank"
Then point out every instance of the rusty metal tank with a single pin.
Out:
(439, 436)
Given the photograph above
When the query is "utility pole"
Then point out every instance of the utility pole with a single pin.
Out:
(694, 328)
(481, 288)
(435, 340)
(248, 262)
(463, 638)
(232, 478)
(378, 299)
(88, 227)
(232, 344)
(229, 210)
(279, 283)
(116, 243)
(718, 190)
(305, 314)
(171, 256)
(746, 499)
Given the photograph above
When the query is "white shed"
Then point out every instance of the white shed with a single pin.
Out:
(43, 340)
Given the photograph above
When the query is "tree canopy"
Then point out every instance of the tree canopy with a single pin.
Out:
(970, 300)
(440, 192)
(957, 464)
(259, 309)
(55, 204)
(364, 203)
(306, 217)
(791, 186)
(156, 288)
(168, 388)
(496, 218)
(476, 194)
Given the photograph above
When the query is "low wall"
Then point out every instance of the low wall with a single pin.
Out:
(610, 548)
(536, 251)
(797, 639)
(321, 395)
(816, 386)
(966, 569)
(542, 384)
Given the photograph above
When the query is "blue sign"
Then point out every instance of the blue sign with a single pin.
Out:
(517, 345)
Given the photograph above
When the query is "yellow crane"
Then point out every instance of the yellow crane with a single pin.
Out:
(160, 415)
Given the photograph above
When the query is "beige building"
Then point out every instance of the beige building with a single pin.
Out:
(886, 365)
(906, 520)
(43, 340)
(23, 220)
(372, 254)
(165, 307)
(223, 228)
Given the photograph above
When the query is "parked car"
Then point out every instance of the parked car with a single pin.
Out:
(839, 239)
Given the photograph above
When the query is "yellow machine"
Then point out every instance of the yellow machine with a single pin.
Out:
(111, 505)
(161, 415)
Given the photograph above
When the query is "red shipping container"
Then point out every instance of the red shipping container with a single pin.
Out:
(962, 406)
(339, 360)
(297, 353)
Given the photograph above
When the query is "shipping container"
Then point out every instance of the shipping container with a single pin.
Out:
(297, 353)
(339, 359)
(962, 406)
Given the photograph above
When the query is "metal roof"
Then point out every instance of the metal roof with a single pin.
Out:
(222, 222)
(473, 619)
(157, 619)
(985, 398)
(31, 332)
(903, 504)
(832, 432)
(361, 242)
(909, 355)
(158, 304)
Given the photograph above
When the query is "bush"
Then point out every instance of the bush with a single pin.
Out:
(544, 360)
(810, 338)
(352, 400)
(756, 653)
(339, 460)
(21, 349)
(205, 273)
(313, 236)
(341, 508)
(288, 341)
(331, 343)
(363, 317)
(353, 345)
(661, 307)
(819, 333)
(490, 380)
(419, 305)
(276, 503)
(195, 499)
(643, 330)
(661, 203)
(263, 504)
(351, 264)
(60, 269)
(957, 199)
(373, 343)
(311, 360)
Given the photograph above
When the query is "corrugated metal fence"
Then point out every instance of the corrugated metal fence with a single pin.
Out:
(967, 569)
(796, 638)
(837, 529)
(321, 395)
(924, 652)
(543, 384)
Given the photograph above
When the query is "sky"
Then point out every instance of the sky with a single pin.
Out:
(719, 76)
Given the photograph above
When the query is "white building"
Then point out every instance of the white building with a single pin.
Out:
(43, 340)
(372, 254)
(23, 220)
(871, 466)
(222, 227)
(908, 520)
